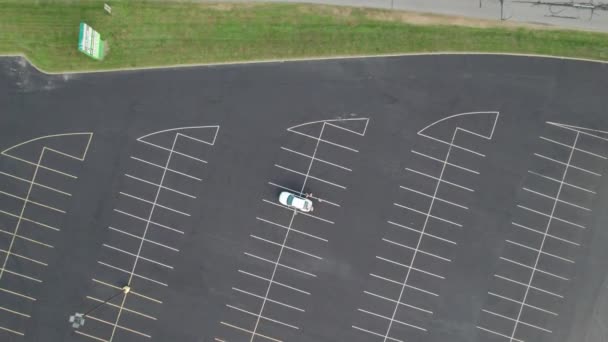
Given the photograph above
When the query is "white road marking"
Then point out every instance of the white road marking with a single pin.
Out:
(440, 180)
(130, 292)
(528, 286)
(551, 216)
(250, 332)
(151, 222)
(23, 218)
(275, 282)
(392, 319)
(147, 240)
(158, 185)
(17, 294)
(286, 247)
(314, 197)
(292, 229)
(397, 302)
(309, 176)
(406, 285)
(556, 199)
(119, 326)
(279, 264)
(12, 331)
(326, 141)
(548, 235)
(134, 274)
(565, 183)
(262, 317)
(531, 268)
(522, 303)
(437, 198)
(6, 270)
(168, 169)
(36, 184)
(429, 215)
(567, 165)
(90, 336)
(513, 320)
(299, 212)
(419, 250)
(422, 233)
(376, 334)
(539, 251)
(25, 258)
(15, 312)
(173, 151)
(154, 203)
(135, 255)
(576, 148)
(441, 161)
(26, 239)
(42, 166)
(409, 267)
(499, 334)
(33, 202)
(317, 159)
(124, 308)
(268, 299)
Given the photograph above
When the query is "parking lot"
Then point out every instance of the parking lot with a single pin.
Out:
(456, 198)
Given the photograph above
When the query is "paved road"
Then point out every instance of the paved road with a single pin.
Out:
(489, 9)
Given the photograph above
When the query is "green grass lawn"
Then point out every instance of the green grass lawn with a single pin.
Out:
(144, 34)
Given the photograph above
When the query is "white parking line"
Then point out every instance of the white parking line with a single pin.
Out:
(423, 233)
(397, 302)
(262, 317)
(522, 303)
(296, 191)
(317, 159)
(161, 186)
(124, 308)
(556, 199)
(23, 218)
(437, 198)
(279, 264)
(453, 145)
(428, 214)
(377, 334)
(38, 165)
(392, 320)
(90, 336)
(119, 326)
(135, 255)
(567, 165)
(168, 169)
(291, 229)
(15, 312)
(17, 294)
(154, 203)
(250, 332)
(33, 202)
(309, 176)
(268, 299)
(442, 161)
(173, 151)
(531, 268)
(401, 284)
(275, 282)
(151, 222)
(24, 257)
(548, 235)
(419, 250)
(528, 286)
(565, 183)
(287, 247)
(553, 216)
(130, 292)
(218, 339)
(26, 239)
(539, 251)
(134, 274)
(440, 180)
(499, 334)
(36, 184)
(326, 141)
(6, 270)
(299, 212)
(12, 331)
(514, 320)
(409, 267)
(147, 240)
(576, 148)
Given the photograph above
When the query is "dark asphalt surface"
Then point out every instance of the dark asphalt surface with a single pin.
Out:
(533, 155)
